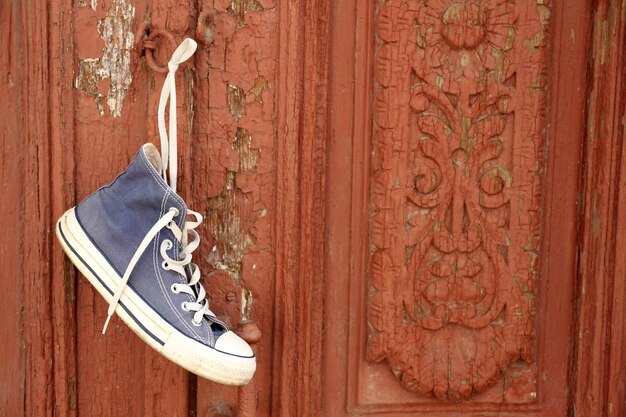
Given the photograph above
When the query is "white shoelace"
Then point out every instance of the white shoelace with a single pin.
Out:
(169, 151)
(183, 266)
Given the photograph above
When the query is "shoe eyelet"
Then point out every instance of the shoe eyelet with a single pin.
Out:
(165, 265)
(183, 305)
(196, 324)
(174, 288)
(168, 243)
(176, 211)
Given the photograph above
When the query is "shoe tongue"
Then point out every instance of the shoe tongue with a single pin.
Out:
(153, 156)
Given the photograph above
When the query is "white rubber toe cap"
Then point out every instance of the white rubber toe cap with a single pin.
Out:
(232, 344)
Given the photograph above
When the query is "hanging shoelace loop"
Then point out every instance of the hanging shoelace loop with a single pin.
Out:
(168, 136)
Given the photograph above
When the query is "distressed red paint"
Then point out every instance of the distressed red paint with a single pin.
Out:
(293, 119)
(456, 188)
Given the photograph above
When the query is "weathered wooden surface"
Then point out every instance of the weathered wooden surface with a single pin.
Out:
(234, 125)
(292, 123)
(456, 188)
(39, 294)
(301, 232)
(600, 362)
(11, 326)
(447, 68)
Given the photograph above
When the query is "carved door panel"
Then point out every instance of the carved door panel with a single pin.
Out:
(461, 242)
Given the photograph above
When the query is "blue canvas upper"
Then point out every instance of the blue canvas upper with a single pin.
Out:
(117, 217)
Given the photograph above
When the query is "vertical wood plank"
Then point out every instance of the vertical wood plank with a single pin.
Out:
(62, 196)
(567, 79)
(600, 362)
(301, 233)
(234, 179)
(12, 38)
(210, 145)
(37, 73)
(210, 132)
(39, 399)
(342, 158)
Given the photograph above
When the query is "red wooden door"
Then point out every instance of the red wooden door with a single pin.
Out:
(419, 203)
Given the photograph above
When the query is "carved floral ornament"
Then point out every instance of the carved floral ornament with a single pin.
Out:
(455, 190)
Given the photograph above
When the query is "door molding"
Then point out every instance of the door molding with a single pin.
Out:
(599, 367)
(299, 309)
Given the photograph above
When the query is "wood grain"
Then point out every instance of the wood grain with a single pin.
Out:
(302, 147)
(36, 274)
(49, 344)
(38, 73)
(62, 195)
(600, 360)
(12, 38)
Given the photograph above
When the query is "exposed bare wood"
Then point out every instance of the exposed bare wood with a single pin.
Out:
(116, 31)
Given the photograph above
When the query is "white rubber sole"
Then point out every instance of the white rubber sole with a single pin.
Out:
(193, 356)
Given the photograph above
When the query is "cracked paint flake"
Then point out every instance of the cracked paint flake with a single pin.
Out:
(533, 44)
(238, 98)
(235, 98)
(114, 64)
(248, 156)
(230, 213)
(246, 303)
(229, 219)
(240, 7)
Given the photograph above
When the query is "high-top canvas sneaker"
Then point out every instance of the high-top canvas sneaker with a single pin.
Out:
(133, 240)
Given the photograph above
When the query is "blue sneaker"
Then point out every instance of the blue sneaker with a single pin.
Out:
(133, 240)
